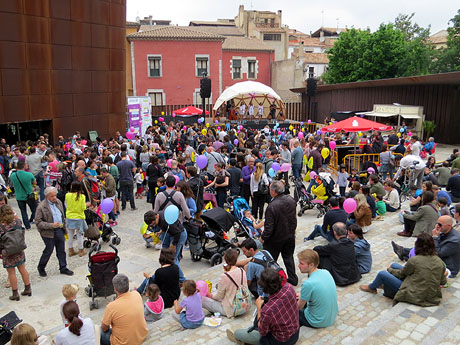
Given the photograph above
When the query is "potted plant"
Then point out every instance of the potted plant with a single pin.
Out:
(428, 127)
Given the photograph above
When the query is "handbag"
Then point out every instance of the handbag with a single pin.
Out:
(13, 241)
(30, 196)
(262, 187)
(7, 324)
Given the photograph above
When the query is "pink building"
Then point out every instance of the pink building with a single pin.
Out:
(168, 63)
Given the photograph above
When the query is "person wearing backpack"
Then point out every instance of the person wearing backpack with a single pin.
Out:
(13, 251)
(232, 297)
(256, 262)
(172, 197)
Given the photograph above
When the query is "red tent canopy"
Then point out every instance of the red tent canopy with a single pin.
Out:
(356, 124)
(188, 111)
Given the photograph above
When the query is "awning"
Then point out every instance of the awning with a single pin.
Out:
(371, 113)
(411, 116)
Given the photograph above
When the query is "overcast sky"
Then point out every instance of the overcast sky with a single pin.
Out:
(302, 15)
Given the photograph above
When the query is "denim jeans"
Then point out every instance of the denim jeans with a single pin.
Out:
(105, 337)
(246, 337)
(144, 284)
(41, 184)
(184, 322)
(303, 320)
(296, 169)
(126, 188)
(167, 240)
(318, 231)
(390, 283)
(23, 207)
(50, 243)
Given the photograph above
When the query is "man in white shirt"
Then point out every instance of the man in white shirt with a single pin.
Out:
(417, 163)
(415, 145)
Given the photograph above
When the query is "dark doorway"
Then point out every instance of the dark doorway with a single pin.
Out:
(23, 131)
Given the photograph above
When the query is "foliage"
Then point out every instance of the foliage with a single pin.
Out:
(394, 50)
(428, 127)
(448, 59)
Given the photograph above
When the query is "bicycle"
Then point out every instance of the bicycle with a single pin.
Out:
(409, 180)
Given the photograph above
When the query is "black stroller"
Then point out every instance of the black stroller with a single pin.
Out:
(301, 196)
(97, 229)
(102, 268)
(209, 240)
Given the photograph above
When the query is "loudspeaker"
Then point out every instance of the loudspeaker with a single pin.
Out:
(311, 86)
(205, 88)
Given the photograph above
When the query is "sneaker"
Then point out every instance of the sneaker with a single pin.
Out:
(232, 338)
(41, 272)
(186, 247)
(158, 246)
(148, 245)
(366, 288)
(399, 250)
(134, 209)
(67, 272)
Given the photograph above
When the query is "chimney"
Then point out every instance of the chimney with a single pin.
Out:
(150, 21)
(321, 36)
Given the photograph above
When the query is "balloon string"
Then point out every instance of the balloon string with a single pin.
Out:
(167, 229)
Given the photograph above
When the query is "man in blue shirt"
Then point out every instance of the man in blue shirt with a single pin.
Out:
(253, 269)
(126, 169)
(438, 193)
(317, 301)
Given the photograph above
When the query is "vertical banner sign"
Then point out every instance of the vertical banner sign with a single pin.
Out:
(139, 114)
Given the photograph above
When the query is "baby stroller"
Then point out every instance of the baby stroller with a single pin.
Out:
(209, 240)
(323, 190)
(237, 206)
(102, 268)
(301, 196)
(97, 229)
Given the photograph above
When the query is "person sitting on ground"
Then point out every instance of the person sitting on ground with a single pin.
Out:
(193, 316)
(355, 187)
(447, 241)
(362, 248)
(80, 331)
(362, 213)
(438, 194)
(254, 264)
(443, 207)
(334, 215)
(376, 185)
(277, 318)
(423, 220)
(338, 257)
(416, 201)
(381, 207)
(25, 334)
(453, 184)
(154, 306)
(166, 277)
(221, 302)
(123, 321)
(366, 190)
(419, 281)
(70, 292)
(391, 198)
(317, 301)
(443, 174)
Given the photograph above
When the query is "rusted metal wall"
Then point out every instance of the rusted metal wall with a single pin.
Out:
(441, 103)
(63, 60)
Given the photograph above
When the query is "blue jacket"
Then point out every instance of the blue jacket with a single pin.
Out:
(448, 248)
(363, 255)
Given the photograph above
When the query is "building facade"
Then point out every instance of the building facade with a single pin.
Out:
(62, 67)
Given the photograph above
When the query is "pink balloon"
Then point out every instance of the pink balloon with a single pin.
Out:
(131, 129)
(300, 135)
(83, 142)
(409, 134)
(285, 167)
(203, 287)
(177, 178)
(309, 121)
(174, 115)
(161, 119)
(168, 162)
(184, 128)
(371, 170)
(313, 175)
(332, 145)
(349, 205)
(129, 135)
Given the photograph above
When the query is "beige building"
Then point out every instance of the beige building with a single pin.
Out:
(131, 28)
(439, 39)
(267, 27)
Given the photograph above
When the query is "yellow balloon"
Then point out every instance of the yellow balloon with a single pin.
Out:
(162, 113)
(204, 131)
(294, 131)
(360, 134)
(207, 125)
(192, 157)
(325, 152)
(399, 135)
(303, 129)
(330, 123)
(156, 121)
(304, 160)
(291, 127)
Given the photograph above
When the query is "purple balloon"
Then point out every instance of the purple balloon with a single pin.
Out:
(202, 161)
(276, 166)
(236, 141)
(107, 205)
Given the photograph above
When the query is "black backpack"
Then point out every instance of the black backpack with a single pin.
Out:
(270, 263)
(169, 199)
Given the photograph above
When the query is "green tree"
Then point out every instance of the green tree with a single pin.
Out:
(448, 59)
(394, 50)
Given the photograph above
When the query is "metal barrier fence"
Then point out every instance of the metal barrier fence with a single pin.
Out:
(355, 161)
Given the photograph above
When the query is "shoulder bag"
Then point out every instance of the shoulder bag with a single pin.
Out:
(30, 196)
(13, 241)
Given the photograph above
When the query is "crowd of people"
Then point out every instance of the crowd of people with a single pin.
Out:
(194, 168)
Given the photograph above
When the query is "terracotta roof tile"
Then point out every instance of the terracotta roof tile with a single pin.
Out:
(133, 24)
(316, 58)
(175, 33)
(220, 30)
(245, 43)
(275, 30)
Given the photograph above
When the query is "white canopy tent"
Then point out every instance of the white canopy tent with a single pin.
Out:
(247, 92)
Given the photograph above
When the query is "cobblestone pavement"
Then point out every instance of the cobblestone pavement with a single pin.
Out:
(363, 318)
